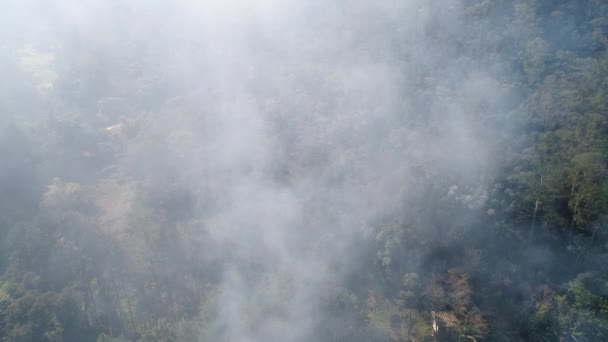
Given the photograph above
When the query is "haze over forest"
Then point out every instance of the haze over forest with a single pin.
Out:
(303, 170)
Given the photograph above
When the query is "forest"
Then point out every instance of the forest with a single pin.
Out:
(304, 170)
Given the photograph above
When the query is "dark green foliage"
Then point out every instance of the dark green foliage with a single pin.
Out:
(583, 308)
(105, 236)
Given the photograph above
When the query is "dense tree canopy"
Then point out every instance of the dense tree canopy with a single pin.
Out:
(304, 171)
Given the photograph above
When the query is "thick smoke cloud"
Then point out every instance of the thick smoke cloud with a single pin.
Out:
(291, 129)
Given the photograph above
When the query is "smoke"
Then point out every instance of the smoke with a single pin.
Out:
(294, 128)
